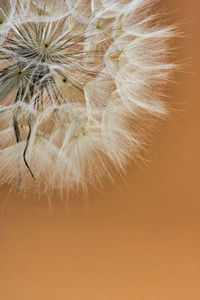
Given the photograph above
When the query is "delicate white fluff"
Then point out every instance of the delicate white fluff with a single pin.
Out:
(79, 89)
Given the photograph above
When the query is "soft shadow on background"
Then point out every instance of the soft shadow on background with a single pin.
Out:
(137, 240)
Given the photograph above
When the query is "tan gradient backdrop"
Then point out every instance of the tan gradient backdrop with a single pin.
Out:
(139, 240)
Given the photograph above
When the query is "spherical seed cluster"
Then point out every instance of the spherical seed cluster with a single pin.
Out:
(79, 82)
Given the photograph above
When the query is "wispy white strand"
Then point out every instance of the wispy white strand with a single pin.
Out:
(78, 89)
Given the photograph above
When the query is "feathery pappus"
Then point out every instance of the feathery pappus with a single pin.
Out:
(79, 82)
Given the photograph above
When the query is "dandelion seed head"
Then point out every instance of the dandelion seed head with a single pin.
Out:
(79, 82)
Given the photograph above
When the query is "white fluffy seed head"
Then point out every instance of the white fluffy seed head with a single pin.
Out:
(79, 88)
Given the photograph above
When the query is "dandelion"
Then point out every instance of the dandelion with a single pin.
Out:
(79, 87)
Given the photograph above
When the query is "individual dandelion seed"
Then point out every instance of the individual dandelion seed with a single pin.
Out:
(79, 89)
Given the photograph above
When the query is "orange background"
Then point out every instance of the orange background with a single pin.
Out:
(137, 240)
